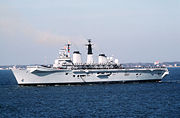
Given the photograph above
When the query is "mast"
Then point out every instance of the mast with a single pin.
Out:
(89, 47)
(68, 44)
(89, 53)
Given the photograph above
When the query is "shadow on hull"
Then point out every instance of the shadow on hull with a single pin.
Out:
(88, 83)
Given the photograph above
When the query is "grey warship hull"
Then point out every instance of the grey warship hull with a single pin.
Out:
(54, 76)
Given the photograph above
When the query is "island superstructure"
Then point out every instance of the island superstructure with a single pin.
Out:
(67, 70)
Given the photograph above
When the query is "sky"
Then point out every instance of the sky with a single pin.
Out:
(32, 31)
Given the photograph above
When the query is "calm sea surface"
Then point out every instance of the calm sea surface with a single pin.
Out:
(132, 100)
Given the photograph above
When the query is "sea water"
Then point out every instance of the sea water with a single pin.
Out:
(132, 100)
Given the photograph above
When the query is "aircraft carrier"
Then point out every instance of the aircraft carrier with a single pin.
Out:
(67, 70)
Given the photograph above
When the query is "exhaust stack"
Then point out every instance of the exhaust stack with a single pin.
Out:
(102, 59)
(77, 57)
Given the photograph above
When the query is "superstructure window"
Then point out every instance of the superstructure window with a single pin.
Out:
(74, 75)
(66, 73)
